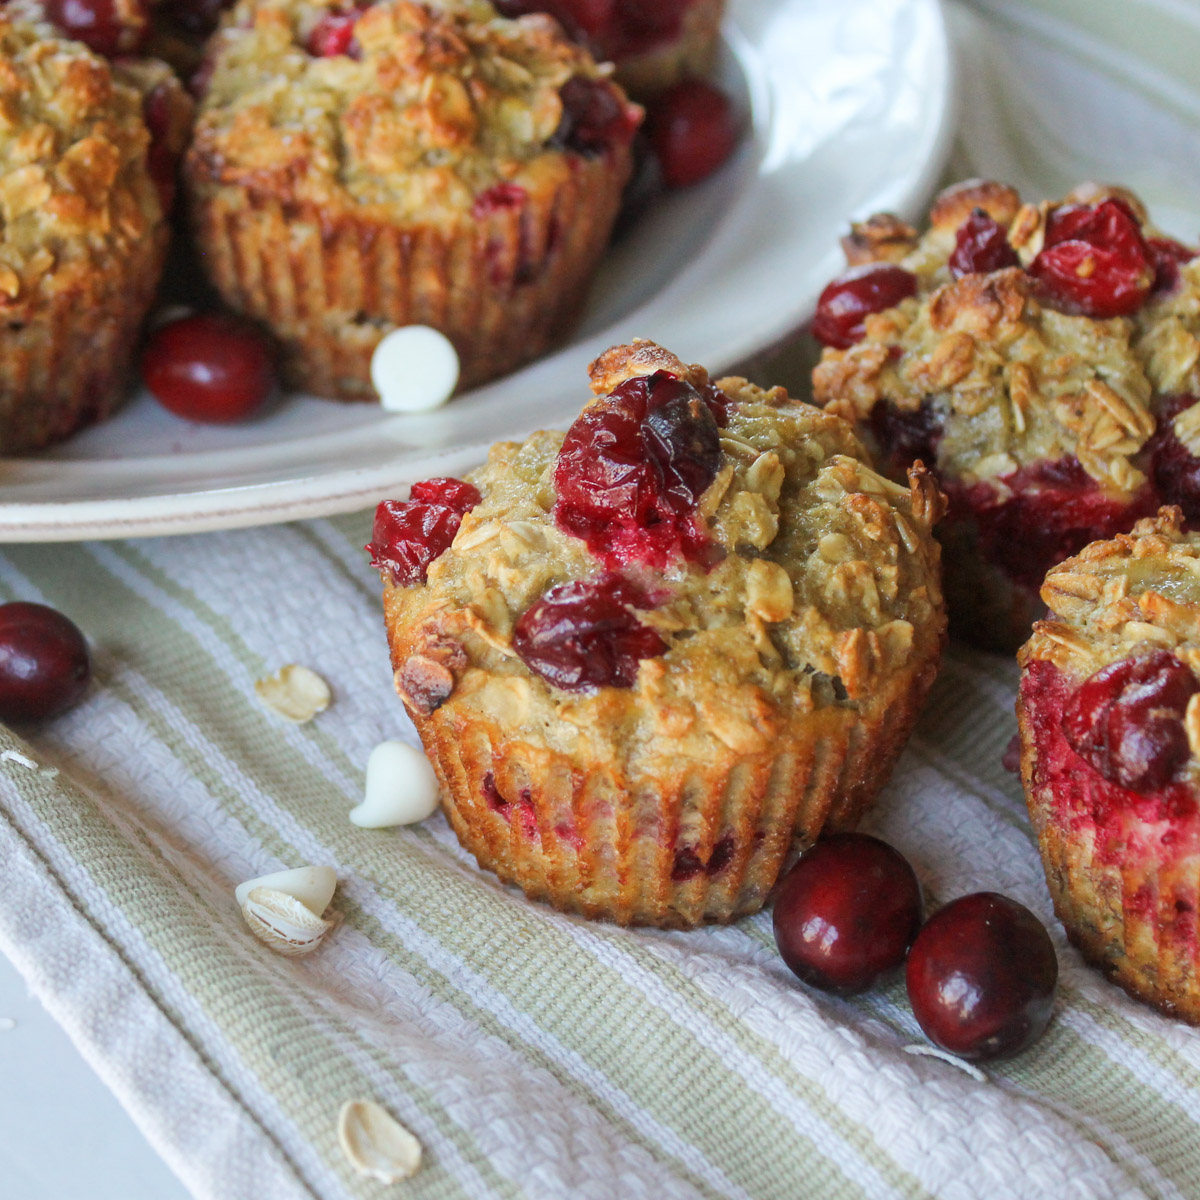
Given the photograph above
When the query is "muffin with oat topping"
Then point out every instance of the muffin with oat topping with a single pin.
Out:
(1109, 713)
(653, 46)
(653, 655)
(1005, 348)
(356, 169)
(82, 227)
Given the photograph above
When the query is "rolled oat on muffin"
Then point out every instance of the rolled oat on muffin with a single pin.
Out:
(1007, 347)
(82, 229)
(354, 171)
(652, 656)
(1109, 713)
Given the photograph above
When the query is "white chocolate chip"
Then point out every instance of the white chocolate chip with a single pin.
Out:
(295, 693)
(402, 788)
(375, 1143)
(312, 886)
(414, 369)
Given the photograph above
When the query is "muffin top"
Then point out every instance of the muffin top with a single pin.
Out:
(1009, 335)
(690, 562)
(75, 184)
(426, 111)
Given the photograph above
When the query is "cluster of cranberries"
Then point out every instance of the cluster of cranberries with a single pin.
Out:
(1094, 262)
(44, 663)
(981, 972)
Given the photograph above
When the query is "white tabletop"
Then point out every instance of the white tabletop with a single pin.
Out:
(63, 1136)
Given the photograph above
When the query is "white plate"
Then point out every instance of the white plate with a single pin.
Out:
(851, 112)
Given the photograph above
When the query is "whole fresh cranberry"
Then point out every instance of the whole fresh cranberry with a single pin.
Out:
(584, 635)
(408, 535)
(1167, 256)
(594, 117)
(1094, 262)
(44, 663)
(846, 303)
(1176, 468)
(99, 26)
(1126, 720)
(847, 912)
(210, 367)
(632, 469)
(333, 35)
(981, 246)
(981, 977)
(693, 130)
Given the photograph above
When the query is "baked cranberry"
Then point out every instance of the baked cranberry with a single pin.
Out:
(99, 26)
(160, 160)
(333, 35)
(632, 469)
(1126, 720)
(847, 912)
(210, 367)
(44, 663)
(904, 437)
(1166, 257)
(584, 635)
(582, 19)
(408, 535)
(981, 977)
(719, 404)
(1043, 514)
(1176, 469)
(199, 17)
(1094, 261)
(693, 130)
(981, 246)
(846, 303)
(501, 197)
(594, 117)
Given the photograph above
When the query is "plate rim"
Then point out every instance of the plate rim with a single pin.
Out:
(344, 490)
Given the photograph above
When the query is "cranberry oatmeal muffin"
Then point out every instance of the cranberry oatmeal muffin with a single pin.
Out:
(653, 45)
(82, 226)
(1007, 347)
(1109, 712)
(651, 656)
(358, 170)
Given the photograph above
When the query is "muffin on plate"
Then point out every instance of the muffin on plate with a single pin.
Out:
(356, 170)
(1003, 348)
(1109, 713)
(651, 656)
(82, 231)
(653, 46)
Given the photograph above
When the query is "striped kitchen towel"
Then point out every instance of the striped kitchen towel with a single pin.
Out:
(534, 1055)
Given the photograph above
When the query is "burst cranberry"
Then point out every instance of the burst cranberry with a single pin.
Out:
(501, 197)
(584, 635)
(847, 302)
(693, 130)
(1127, 720)
(409, 535)
(847, 912)
(594, 117)
(1095, 261)
(582, 19)
(44, 663)
(904, 437)
(160, 161)
(211, 367)
(1176, 468)
(981, 977)
(333, 35)
(632, 469)
(981, 246)
(1166, 257)
(99, 25)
